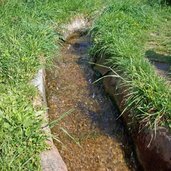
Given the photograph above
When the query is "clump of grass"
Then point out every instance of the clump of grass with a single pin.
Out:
(121, 34)
(21, 139)
(24, 41)
(28, 37)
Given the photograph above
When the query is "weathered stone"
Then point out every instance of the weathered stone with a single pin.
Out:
(154, 151)
(51, 160)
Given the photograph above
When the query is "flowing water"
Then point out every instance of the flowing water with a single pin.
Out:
(92, 138)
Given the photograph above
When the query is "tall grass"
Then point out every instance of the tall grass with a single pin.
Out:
(120, 34)
(28, 37)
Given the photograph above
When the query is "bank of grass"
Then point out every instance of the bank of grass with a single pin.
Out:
(27, 38)
(121, 34)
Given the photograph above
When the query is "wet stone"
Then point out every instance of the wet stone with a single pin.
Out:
(94, 139)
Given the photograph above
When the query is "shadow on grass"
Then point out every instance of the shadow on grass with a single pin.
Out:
(157, 57)
(160, 61)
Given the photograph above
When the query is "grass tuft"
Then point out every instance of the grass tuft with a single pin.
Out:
(121, 34)
(29, 37)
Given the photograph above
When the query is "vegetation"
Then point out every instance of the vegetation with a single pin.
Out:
(28, 36)
(122, 34)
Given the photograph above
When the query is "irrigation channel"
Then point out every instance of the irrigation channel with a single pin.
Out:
(92, 137)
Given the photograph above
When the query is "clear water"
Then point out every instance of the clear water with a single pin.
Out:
(104, 144)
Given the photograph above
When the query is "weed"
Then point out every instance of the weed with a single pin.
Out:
(29, 37)
(121, 34)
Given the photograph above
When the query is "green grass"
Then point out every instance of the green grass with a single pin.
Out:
(28, 38)
(29, 31)
(20, 136)
(159, 40)
(25, 40)
(121, 34)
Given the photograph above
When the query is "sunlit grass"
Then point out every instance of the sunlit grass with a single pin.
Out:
(28, 39)
(29, 31)
(120, 34)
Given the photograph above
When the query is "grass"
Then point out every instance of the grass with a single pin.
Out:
(159, 40)
(20, 136)
(122, 34)
(28, 39)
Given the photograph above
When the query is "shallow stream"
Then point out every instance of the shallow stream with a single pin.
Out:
(97, 140)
